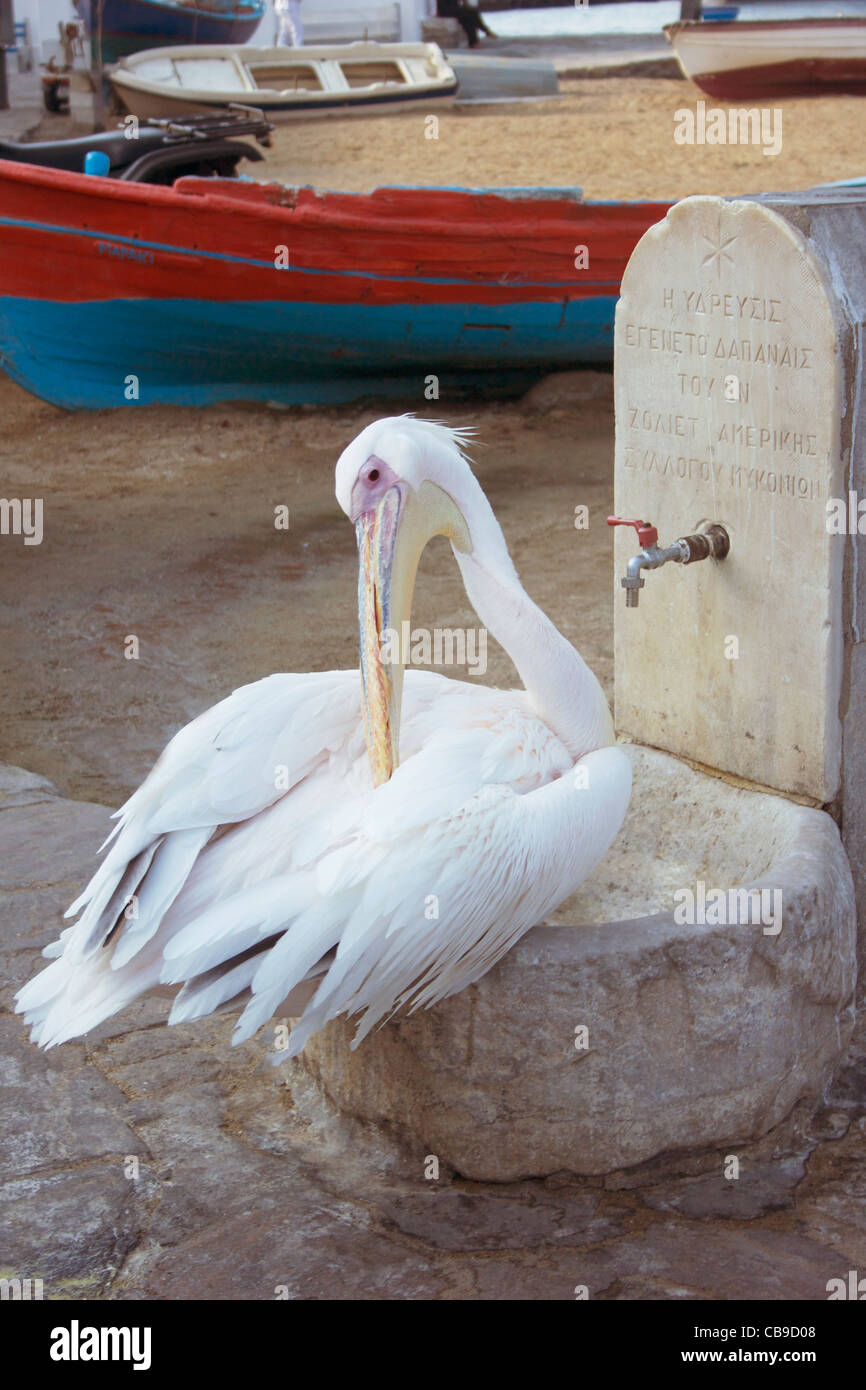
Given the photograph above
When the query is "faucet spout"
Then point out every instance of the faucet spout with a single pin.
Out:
(710, 541)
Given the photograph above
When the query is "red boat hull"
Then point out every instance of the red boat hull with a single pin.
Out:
(433, 277)
(802, 77)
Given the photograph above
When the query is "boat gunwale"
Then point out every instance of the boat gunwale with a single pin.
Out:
(127, 76)
(250, 10)
(745, 26)
(120, 191)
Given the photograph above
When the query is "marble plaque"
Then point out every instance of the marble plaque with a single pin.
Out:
(728, 385)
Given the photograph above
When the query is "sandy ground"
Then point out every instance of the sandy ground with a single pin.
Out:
(159, 521)
(614, 137)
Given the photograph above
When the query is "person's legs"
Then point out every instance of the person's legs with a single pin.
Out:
(283, 37)
(470, 21)
(296, 23)
(467, 16)
(467, 24)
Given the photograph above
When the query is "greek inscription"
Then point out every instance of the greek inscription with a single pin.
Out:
(762, 437)
(733, 306)
(733, 475)
(660, 422)
(682, 342)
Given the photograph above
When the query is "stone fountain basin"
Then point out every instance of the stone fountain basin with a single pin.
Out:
(697, 1035)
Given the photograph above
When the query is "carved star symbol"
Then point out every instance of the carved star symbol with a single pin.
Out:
(719, 249)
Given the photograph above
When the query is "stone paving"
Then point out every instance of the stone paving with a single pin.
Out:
(25, 104)
(250, 1187)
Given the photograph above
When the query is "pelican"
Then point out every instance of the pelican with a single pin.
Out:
(317, 845)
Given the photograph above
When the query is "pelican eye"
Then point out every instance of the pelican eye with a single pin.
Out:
(373, 475)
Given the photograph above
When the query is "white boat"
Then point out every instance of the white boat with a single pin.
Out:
(284, 82)
(773, 57)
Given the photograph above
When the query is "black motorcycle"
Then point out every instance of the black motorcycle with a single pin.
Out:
(158, 151)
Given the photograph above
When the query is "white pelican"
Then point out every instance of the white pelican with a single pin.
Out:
(271, 862)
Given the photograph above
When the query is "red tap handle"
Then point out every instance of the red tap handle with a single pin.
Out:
(646, 532)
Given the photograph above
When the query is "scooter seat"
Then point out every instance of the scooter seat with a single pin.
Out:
(69, 154)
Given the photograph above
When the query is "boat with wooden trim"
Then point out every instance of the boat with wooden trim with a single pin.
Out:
(285, 82)
(218, 290)
(747, 59)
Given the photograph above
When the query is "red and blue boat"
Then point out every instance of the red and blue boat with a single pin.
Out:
(125, 26)
(115, 293)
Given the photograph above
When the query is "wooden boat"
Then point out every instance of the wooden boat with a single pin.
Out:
(284, 82)
(126, 26)
(218, 290)
(771, 58)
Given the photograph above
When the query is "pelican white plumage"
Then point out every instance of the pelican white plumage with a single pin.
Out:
(270, 862)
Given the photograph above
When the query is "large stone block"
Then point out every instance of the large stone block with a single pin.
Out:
(729, 407)
(697, 1034)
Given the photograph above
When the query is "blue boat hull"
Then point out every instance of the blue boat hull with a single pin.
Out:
(130, 25)
(197, 352)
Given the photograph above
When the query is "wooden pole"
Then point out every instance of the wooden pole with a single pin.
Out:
(7, 40)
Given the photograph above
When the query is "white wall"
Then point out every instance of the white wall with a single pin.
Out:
(43, 17)
(411, 14)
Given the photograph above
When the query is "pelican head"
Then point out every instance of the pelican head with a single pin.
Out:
(402, 481)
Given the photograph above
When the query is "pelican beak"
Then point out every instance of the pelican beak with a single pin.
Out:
(391, 537)
(377, 533)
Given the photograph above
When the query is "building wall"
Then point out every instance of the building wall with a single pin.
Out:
(43, 17)
(411, 14)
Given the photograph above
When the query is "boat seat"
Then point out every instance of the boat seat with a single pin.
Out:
(69, 153)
